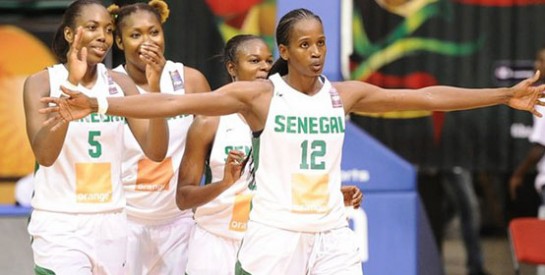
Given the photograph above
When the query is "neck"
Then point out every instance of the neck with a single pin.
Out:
(88, 80)
(138, 76)
(308, 85)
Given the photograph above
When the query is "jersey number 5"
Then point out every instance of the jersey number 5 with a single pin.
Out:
(96, 148)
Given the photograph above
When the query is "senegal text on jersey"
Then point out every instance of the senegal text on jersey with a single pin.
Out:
(309, 125)
(98, 118)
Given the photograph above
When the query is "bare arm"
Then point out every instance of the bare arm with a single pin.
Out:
(195, 81)
(46, 143)
(364, 97)
(200, 138)
(249, 98)
(537, 151)
(152, 134)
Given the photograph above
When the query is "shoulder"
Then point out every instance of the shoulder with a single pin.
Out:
(119, 77)
(249, 89)
(193, 74)
(38, 82)
(124, 81)
(40, 76)
(195, 80)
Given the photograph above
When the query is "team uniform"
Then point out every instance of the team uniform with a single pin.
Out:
(78, 225)
(298, 223)
(158, 231)
(221, 223)
(538, 136)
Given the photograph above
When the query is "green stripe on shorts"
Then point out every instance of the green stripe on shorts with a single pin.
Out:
(38, 270)
(239, 270)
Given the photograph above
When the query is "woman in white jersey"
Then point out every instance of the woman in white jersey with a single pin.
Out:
(297, 223)
(158, 231)
(78, 225)
(222, 143)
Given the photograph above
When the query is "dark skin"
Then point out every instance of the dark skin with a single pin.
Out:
(143, 44)
(305, 55)
(89, 44)
(253, 62)
(537, 151)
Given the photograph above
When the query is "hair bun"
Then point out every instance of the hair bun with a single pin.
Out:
(162, 7)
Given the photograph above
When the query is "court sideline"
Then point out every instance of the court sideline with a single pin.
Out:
(16, 257)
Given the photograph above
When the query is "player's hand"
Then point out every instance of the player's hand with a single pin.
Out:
(74, 106)
(526, 96)
(155, 61)
(76, 58)
(352, 196)
(233, 166)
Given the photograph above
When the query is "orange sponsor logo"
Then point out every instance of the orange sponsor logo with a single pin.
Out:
(154, 176)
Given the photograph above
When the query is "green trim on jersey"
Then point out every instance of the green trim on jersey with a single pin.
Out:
(256, 141)
(207, 174)
(239, 270)
(38, 270)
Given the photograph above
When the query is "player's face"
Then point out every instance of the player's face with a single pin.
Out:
(306, 49)
(254, 61)
(97, 35)
(140, 28)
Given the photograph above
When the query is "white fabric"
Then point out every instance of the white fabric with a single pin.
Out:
(83, 244)
(298, 174)
(86, 177)
(150, 187)
(210, 254)
(158, 249)
(24, 188)
(267, 250)
(227, 215)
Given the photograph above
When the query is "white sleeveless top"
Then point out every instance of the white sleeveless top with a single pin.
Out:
(298, 161)
(86, 177)
(227, 214)
(150, 187)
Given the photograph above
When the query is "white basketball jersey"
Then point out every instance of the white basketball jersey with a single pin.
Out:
(86, 177)
(298, 161)
(150, 187)
(227, 215)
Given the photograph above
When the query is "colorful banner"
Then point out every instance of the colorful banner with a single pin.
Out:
(418, 43)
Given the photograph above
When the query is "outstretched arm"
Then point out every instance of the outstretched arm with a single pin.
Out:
(363, 97)
(151, 134)
(199, 141)
(237, 97)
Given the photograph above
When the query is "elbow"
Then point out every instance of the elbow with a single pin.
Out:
(180, 202)
(45, 160)
(157, 157)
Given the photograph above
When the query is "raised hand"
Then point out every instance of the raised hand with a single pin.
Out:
(233, 166)
(76, 59)
(526, 96)
(77, 105)
(352, 196)
(155, 61)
